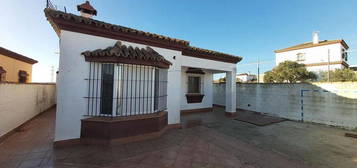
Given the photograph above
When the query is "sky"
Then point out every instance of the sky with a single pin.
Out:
(246, 28)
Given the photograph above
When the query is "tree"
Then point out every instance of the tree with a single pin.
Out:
(288, 72)
(339, 75)
(222, 80)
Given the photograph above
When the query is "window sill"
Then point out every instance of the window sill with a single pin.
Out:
(194, 97)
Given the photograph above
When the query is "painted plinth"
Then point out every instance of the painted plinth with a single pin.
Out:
(123, 129)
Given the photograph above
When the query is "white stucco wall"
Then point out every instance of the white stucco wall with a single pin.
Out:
(325, 103)
(73, 69)
(313, 55)
(21, 102)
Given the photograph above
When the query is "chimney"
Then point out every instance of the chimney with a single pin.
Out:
(315, 37)
(86, 10)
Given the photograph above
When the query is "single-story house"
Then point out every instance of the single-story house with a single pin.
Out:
(117, 83)
(246, 77)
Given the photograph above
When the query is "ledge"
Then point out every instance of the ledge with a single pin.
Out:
(101, 129)
(194, 98)
(88, 141)
(193, 111)
(126, 118)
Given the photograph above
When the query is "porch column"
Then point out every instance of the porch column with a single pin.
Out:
(231, 93)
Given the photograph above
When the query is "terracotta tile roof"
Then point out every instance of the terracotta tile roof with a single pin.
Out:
(310, 45)
(17, 56)
(87, 7)
(54, 14)
(209, 54)
(242, 74)
(127, 54)
(66, 21)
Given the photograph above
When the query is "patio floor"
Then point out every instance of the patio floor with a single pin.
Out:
(216, 141)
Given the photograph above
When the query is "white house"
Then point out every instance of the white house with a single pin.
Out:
(118, 83)
(245, 77)
(317, 55)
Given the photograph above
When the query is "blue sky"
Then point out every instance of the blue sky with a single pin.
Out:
(249, 28)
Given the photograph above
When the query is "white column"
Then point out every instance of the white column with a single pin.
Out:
(174, 95)
(231, 91)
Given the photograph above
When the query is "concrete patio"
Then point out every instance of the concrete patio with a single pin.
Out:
(211, 141)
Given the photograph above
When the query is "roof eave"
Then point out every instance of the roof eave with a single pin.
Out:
(59, 24)
(342, 42)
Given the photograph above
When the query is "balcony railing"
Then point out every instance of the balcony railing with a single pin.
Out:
(50, 5)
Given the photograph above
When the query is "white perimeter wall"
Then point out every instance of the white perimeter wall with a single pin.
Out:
(21, 102)
(73, 69)
(326, 103)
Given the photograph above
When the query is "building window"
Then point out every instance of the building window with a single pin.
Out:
(344, 55)
(2, 77)
(125, 89)
(107, 83)
(300, 57)
(2, 74)
(23, 75)
(194, 84)
(160, 92)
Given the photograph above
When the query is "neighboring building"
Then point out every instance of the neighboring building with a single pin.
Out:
(246, 78)
(261, 78)
(216, 81)
(116, 82)
(318, 56)
(353, 67)
(15, 67)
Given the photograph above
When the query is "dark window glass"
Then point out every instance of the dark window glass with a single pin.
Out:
(194, 84)
(2, 74)
(23, 76)
(106, 101)
(2, 77)
(156, 90)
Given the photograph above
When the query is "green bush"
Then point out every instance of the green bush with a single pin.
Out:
(339, 75)
(288, 72)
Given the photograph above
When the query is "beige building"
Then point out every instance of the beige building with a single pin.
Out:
(15, 67)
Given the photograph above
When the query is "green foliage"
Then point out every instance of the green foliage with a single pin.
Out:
(288, 72)
(222, 80)
(339, 75)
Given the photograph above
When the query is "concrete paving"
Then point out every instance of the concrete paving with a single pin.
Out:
(315, 145)
(216, 141)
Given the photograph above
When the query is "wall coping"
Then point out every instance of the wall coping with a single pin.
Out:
(32, 83)
(313, 83)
